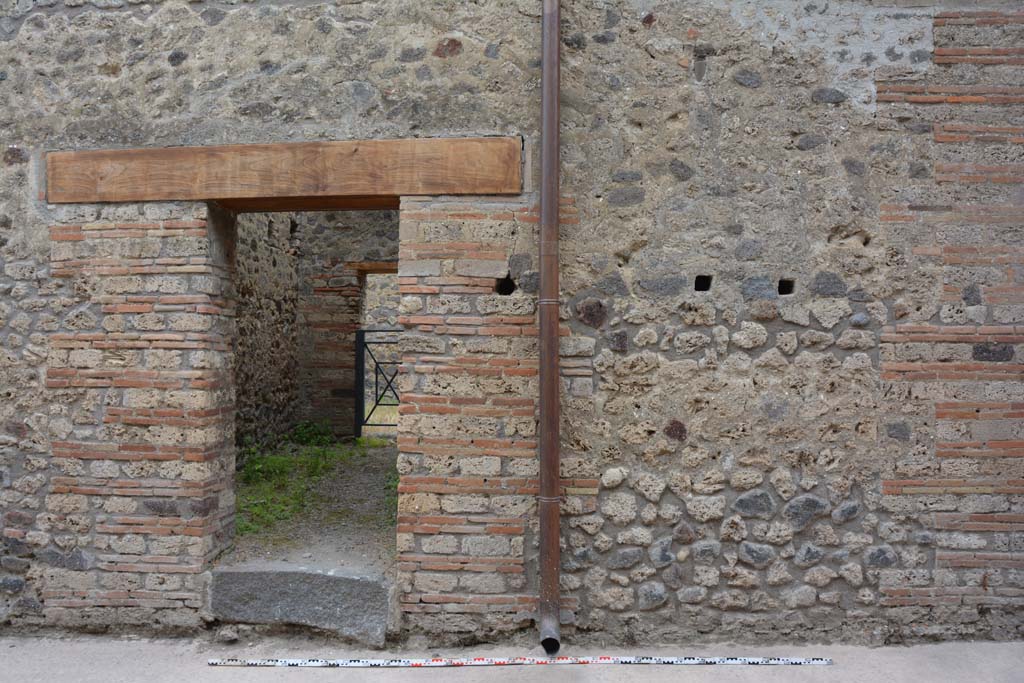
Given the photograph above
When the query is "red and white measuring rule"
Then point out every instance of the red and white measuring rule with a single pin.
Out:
(520, 661)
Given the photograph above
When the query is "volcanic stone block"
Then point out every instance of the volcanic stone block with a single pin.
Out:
(756, 554)
(355, 606)
(748, 78)
(828, 96)
(801, 510)
(756, 503)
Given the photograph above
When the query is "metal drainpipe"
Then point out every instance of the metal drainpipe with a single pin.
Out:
(549, 499)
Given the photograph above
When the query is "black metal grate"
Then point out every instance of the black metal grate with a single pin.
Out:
(384, 372)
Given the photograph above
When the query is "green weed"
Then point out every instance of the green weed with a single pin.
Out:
(391, 495)
(278, 483)
(312, 434)
(372, 442)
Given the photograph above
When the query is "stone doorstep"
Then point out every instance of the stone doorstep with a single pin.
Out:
(355, 605)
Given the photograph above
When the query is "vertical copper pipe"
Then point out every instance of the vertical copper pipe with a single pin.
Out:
(549, 499)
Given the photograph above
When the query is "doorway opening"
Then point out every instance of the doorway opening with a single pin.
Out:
(311, 491)
(173, 399)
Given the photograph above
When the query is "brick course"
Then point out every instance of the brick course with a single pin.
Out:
(147, 470)
(468, 418)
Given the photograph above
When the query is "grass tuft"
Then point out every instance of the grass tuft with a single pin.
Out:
(391, 495)
(372, 442)
(278, 483)
(312, 434)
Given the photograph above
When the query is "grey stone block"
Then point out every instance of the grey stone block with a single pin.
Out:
(11, 584)
(756, 554)
(355, 606)
(624, 558)
(828, 96)
(651, 595)
(755, 288)
(756, 503)
(828, 284)
(478, 268)
(810, 141)
(801, 510)
(661, 553)
(992, 353)
(748, 78)
(410, 268)
(626, 196)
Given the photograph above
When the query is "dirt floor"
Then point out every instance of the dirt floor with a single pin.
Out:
(348, 522)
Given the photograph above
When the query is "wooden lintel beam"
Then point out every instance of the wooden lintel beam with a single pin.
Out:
(373, 267)
(262, 205)
(289, 172)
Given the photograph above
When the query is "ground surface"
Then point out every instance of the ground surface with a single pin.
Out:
(347, 522)
(111, 660)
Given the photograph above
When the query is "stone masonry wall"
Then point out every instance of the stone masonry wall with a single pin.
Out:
(805, 419)
(267, 291)
(791, 294)
(467, 428)
(121, 515)
(381, 299)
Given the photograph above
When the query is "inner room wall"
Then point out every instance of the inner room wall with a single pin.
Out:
(267, 283)
(300, 280)
(381, 300)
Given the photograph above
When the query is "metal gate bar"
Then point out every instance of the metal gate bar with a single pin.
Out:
(380, 372)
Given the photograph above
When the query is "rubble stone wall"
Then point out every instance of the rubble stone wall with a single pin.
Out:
(381, 299)
(267, 291)
(792, 298)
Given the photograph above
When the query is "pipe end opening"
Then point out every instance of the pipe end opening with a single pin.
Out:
(551, 645)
